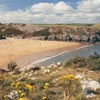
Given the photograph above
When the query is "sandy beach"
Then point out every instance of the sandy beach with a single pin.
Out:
(26, 51)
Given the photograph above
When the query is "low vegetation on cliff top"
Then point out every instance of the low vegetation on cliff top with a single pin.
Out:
(55, 82)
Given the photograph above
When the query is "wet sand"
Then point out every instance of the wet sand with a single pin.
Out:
(26, 51)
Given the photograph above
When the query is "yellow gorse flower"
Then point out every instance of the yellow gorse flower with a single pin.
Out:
(44, 98)
(46, 85)
(23, 94)
(18, 83)
(29, 87)
(20, 91)
(69, 77)
(5, 96)
(13, 84)
(23, 99)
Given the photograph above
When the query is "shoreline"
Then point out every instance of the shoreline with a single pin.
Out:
(26, 51)
(50, 57)
(34, 57)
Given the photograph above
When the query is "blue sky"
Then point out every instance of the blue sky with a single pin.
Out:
(20, 4)
(50, 11)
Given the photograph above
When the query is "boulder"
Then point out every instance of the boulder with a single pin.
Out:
(93, 38)
(85, 38)
(46, 71)
(89, 87)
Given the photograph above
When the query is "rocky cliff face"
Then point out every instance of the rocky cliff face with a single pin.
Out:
(51, 32)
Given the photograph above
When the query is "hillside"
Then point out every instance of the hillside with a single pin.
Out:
(60, 32)
(76, 79)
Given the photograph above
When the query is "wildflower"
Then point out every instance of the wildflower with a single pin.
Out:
(29, 87)
(13, 84)
(44, 98)
(20, 91)
(6, 96)
(46, 85)
(18, 83)
(69, 77)
(23, 99)
(22, 94)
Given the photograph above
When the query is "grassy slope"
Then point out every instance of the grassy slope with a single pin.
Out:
(72, 25)
(57, 85)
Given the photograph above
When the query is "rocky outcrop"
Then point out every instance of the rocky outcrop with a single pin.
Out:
(58, 33)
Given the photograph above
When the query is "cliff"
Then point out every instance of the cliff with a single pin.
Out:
(80, 33)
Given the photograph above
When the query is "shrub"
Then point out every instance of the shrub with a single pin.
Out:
(11, 31)
(72, 88)
(2, 37)
(11, 66)
(94, 56)
(92, 62)
(78, 61)
(68, 63)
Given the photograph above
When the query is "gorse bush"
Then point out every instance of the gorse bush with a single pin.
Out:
(72, 88)
(92, 62)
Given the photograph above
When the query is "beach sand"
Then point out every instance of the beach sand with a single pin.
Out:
(25, 51)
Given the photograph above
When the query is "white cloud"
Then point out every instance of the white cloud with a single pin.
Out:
(62, 7)
(42, 7)
(87, 11)
(89, 6)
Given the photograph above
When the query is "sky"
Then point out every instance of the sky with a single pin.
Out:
(50, 11)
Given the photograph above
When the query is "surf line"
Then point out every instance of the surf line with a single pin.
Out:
(47, 58)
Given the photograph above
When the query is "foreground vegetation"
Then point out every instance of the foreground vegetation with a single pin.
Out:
(54, 82)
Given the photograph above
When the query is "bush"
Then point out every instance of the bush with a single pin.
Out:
(68, 63)
(11, 66)
(92, 62)
(2, 37)
(78, 61)
(94, 56)
(11, 31)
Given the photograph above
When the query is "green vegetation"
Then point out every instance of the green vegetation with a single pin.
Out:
(96, 26)
(70, 24)
(12, 66)
(11, 32)
(41, 33)
(92, 63)
(59, 83)
(2, 37)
